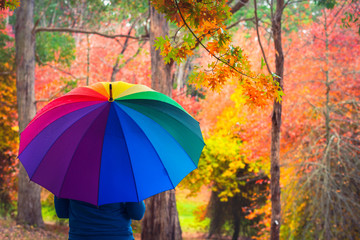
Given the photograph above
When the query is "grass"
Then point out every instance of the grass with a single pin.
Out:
(48, 213)
(186, 208)
(48, 210)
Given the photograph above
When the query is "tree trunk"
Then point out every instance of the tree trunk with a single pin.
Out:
(160, 73)
(326, 182)
(88, 60)
(161, 221)
(236, 232)
(275, 128)
(29, 206)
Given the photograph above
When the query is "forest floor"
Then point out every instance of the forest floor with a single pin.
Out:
(191, 227)
(9, 230)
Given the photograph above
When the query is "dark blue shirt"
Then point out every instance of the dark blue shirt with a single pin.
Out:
(109, 221)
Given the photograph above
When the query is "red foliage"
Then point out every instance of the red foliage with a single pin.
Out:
(190, 104)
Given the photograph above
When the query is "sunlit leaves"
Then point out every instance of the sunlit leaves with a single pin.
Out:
(235, 174)
(200, 22)
(226, 152)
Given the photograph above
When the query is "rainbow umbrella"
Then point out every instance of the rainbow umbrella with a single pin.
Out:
(110, 142)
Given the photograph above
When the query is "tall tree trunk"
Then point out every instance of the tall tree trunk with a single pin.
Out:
(160, 73)
(327, 182)
(88, 60)
(29, 206)
(161, 221)
(275, 128)
(237, 222)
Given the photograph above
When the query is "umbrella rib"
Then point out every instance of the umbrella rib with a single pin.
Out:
(168, 134)
(174, 119)
(102, 148)
(133, 102)
(44, 111)
(131, 97)
(132, 170)
(33, 121)
(172, 184)
(67, 170)
(56, 139)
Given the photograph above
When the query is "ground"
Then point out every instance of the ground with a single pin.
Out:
(192, 228)
(9, 230)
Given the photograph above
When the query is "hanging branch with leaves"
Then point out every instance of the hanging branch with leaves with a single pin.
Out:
(202, 23)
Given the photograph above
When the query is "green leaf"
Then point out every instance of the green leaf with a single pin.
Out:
(55, 46)
(189, 38)
(160, 42)
(262, 63)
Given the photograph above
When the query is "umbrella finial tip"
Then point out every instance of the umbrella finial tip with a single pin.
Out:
(110, 90)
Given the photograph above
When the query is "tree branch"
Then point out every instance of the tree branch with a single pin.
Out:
(239, 21)
(53, 95)
(258, 35)
(116, 68)
(238, 6)
(56, 68)
(75, 30)
(198, 40)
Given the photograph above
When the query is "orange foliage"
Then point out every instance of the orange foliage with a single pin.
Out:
(200, 22)
(8, 115)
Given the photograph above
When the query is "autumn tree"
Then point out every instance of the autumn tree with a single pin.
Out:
(191, 14)
(238, 182)
(29, 206)
(8, 117)
(207, 21)
(323, 197)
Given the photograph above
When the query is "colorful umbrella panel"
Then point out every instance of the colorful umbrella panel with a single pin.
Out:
(87, 146)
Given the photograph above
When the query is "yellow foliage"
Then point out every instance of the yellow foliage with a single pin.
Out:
(225, 153)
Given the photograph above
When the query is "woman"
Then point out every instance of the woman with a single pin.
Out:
(105, 222)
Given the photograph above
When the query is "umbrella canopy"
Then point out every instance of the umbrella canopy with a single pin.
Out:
(110, 142)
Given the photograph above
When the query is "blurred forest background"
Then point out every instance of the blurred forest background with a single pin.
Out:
(78, 43)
